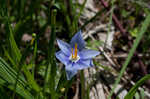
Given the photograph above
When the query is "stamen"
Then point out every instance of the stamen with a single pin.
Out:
(74, 56)
(76, 50)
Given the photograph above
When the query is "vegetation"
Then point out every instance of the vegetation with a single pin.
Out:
(29, 68)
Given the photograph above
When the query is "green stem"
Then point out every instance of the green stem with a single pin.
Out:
(34, 56)
(82, 85)
(51, 50)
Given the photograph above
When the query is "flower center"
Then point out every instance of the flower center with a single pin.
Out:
(74, 55)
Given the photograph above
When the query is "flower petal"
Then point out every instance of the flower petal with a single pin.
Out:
(72, 68)
(77, 38)
(82, 64)
(62, 57)
(70, 72)
(88, 54)
(65, 47)
(87, 62)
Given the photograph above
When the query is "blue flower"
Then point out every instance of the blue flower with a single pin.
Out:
(74, 55)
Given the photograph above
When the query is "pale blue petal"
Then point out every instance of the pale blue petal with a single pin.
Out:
(72, 68)
(65, 47)
(87, 62)
(88, 54)
(83, 64)
(62, 57)
(77, 38)
(70, 72)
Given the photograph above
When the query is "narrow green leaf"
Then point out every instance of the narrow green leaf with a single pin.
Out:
(31, 80)
(137, 96)
(16, 55)
(142, 94)
(49, 76)
(133, 90)
(8, 77)
(139, 37)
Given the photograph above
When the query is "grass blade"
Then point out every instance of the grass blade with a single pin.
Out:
(15, 52)
(8, 77)
(140, 35)
(133, 90)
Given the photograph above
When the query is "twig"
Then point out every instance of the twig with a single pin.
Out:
(101, 49)
(115, 19)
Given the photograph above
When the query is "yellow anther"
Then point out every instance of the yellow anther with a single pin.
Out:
(74, 56)
(76, 50)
